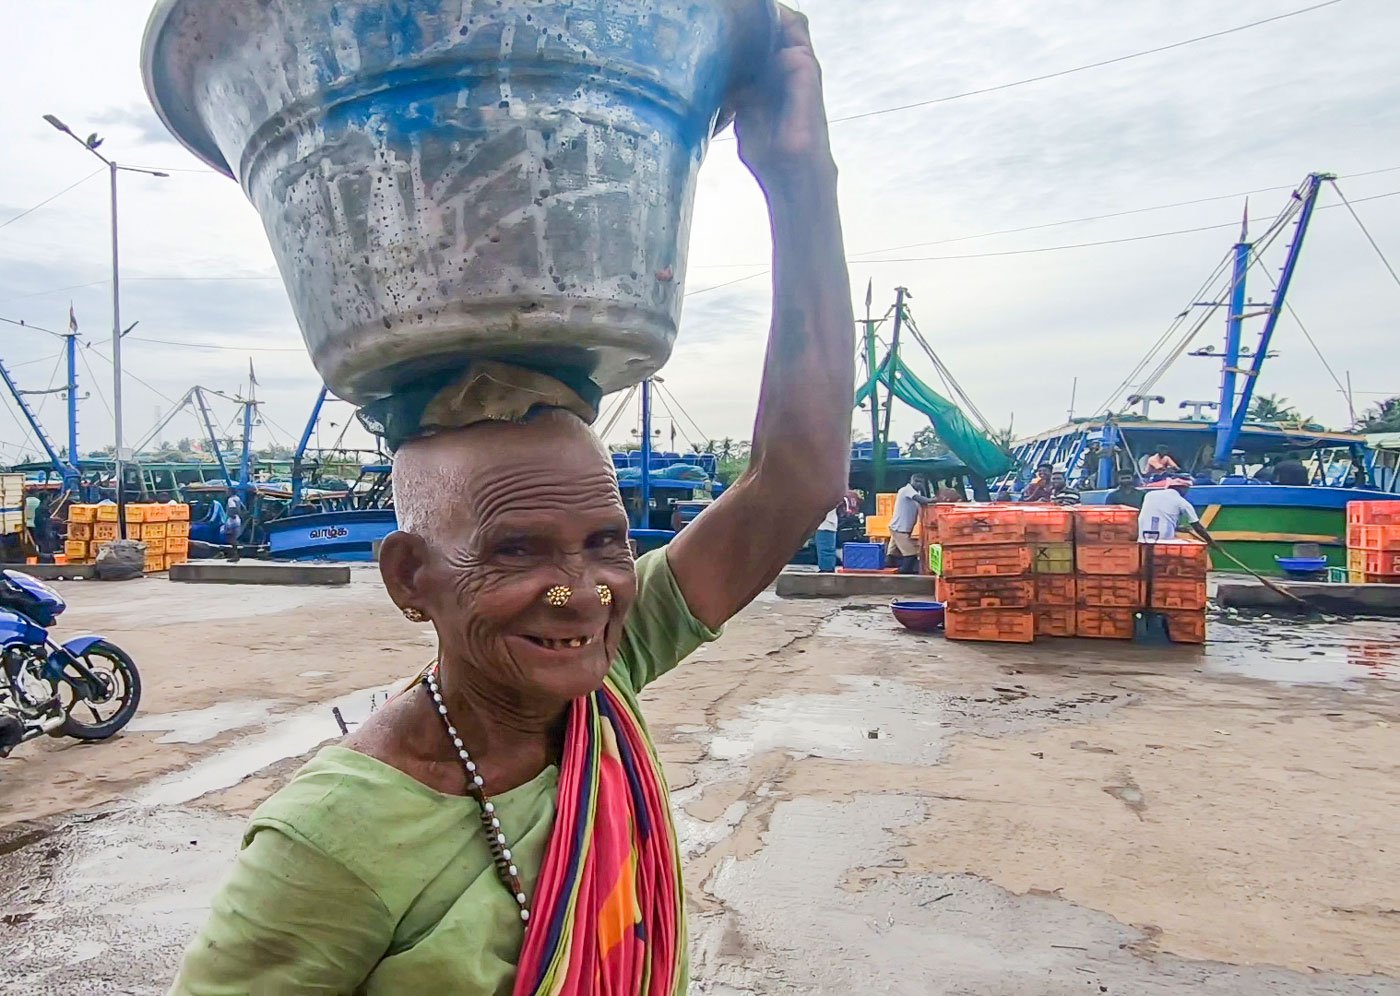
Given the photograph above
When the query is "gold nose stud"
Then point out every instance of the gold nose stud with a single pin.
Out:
(604, 594)
(558, 596)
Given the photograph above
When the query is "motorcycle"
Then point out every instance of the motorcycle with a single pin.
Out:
(87, 688)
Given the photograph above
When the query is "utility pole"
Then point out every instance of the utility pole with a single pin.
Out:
(881, 441)
(91, 144)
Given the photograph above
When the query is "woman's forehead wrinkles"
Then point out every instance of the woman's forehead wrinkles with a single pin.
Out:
(528, 492)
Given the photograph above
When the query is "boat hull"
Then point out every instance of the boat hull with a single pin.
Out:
(340, 536)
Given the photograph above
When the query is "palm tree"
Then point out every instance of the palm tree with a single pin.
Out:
(1271, 408)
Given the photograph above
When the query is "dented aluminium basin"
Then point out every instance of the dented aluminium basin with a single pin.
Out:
(444, 180)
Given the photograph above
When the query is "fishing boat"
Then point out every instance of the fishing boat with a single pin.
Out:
(1226, 454)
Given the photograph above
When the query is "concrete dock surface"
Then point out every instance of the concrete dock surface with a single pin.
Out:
(861, 809)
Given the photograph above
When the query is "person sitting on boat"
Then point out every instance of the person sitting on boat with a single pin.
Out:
(1291, 471)
(907, 502)
(503, 824)
(1159, 464)
(1060, 491)
(1127, 492)
(1039, 487)
(1163, 510)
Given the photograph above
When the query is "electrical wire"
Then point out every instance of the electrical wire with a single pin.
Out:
(28, 211)
(204, 345)
(37, 328)
(1366, 232)
(676, 401)
(92, 377)
(1074, 69)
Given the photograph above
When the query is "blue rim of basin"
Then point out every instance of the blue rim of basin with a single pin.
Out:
(916, 605)
(1301, 563)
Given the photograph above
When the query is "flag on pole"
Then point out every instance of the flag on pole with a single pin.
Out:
(72, 318)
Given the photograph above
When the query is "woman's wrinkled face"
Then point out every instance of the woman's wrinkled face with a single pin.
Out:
(539, 510)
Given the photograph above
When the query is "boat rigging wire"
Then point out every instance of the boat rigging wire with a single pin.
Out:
(1366, 232)
(676, 401)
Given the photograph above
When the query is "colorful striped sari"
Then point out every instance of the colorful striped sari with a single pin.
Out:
(607, 915)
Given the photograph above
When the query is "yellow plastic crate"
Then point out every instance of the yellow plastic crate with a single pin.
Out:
(75, 550)
(177, 529)
(134, 530)
(155, 563)
(106, 512)
(80, 530)
(135, 513)
(154, 547)
(157, 513)
(82, 513)
(152, 530)
(105, 531)
(877, 527)
(177, 545)
(179, 513)
(171, 559)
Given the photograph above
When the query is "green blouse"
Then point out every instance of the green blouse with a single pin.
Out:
(356, 878)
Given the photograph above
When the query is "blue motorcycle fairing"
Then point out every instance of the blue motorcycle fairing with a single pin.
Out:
(77, 646)
(16, 628)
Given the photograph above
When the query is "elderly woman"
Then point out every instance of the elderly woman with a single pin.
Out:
(503, 826)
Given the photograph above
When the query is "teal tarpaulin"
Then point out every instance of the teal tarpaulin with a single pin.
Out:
(967, 442)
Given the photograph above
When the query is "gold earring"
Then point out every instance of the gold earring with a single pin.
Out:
(604, 594)
(558, 596)
(414, 615)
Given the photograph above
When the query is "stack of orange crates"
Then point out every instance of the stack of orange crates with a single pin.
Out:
(1050, 535)
(1373, 542)
(1108, 564)
(987, 573)
(1176, 587)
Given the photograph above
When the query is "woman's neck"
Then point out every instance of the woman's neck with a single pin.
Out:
(511, 739)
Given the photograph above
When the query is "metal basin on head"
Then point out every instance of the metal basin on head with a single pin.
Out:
(447, 180)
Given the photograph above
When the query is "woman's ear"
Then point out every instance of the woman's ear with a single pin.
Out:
(402, 558)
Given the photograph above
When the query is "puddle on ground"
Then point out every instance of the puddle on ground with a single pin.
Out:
(1343, 655)
(288, 735)
(199, 725)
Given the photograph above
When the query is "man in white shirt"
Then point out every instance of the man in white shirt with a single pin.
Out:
(1164, 508)
(907, 502)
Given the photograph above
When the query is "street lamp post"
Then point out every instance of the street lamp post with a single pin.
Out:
(113, 168)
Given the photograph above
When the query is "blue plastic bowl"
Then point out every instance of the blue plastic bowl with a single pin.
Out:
(1301, 565)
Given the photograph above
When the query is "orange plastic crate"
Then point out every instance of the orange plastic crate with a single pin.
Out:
(991, 593)
(1373, 513)
(1368, 561)
(1105, 524)
(986, 561)
(1185, 626)
(1108, 592)
(928, 523)
(1177, 559)
(1108, 558)
(1047, 524)
(1054, 620)
(1178, 593)
(1054, 590)
(990, 625)
(984, 525)
(1373, 537)
(1105, 624)
(940, 590)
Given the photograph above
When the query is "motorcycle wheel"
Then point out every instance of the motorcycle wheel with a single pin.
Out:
(111, 664)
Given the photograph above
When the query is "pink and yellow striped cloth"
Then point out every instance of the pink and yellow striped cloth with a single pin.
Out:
(607, 913)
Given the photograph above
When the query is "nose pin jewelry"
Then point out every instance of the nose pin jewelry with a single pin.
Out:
(558, 596)
(604, 594)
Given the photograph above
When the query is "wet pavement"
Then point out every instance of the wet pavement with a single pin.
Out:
(836, 781)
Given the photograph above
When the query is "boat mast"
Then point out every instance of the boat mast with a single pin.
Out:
(246, 458)
(870, 361)
(1308, 196)
(644, 484)
(70, 349)
(304, 442)
(882, 441)
(1234, 324)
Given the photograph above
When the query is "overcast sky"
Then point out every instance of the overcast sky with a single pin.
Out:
(1251, 110)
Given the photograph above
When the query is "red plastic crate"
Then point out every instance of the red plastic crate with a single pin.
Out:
(1185, 627)
(990, 625)
(1385, 562)
(1177, 559)
(1109, 558)
(1054, 590)
(986, 561)
(1178, 593)
(980, 525)
(1373, 537)
(1109, 592)
(1054, 620)
(1105, 624)
(1048, 524)
(1105, 524)
(1373, 513)
(991, 593)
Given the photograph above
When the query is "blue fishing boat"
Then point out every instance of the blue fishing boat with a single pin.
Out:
(1228, 456)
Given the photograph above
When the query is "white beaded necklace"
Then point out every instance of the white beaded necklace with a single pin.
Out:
(506, 868)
